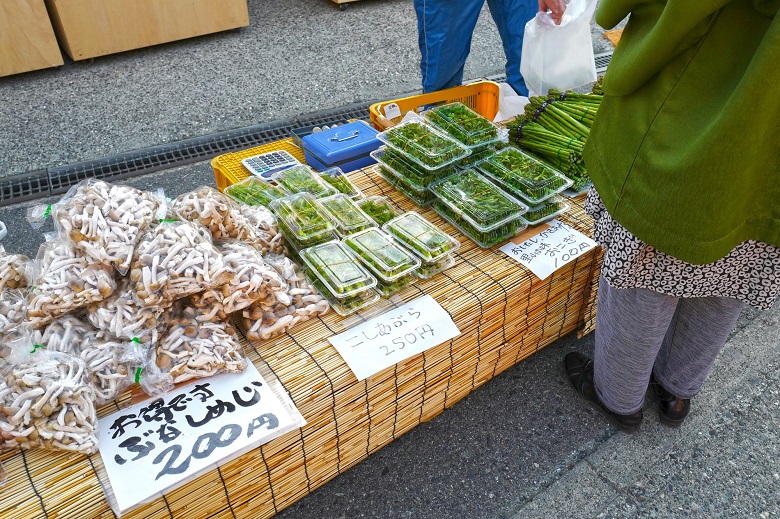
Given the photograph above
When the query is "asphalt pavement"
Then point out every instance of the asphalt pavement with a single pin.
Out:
(522, 445)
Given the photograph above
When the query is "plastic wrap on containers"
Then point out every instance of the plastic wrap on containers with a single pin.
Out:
(13, 270)
(268, 238)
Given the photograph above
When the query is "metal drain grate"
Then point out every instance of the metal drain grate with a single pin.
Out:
(602, 60)
(57, 180)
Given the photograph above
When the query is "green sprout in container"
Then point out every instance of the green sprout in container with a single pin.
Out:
(341, 183)
(418, 176)
(344, 305)
(381, 254)
(421, 236)
(253, 191)
(545, 210)
(301, 217)
(464, 124)
(301, 179)
(424, 144)
(420, 197)
(485, 238)
(524, 175)
(347, 215)
(388, 288)
(337, 269)
(471, 194)
(377, 208)
(429, 269)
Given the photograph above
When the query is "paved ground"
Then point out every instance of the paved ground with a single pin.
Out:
(520, 446)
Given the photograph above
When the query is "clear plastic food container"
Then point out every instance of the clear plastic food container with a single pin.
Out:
(381, 254)
(420, 236)
(477, 155)
(523, 175)
(339, 181)
(421, 197)
(463, 123)
(424, 144)
(303, 179)
(378, 208)
(408, 171)
(302, 219)
(478, 208)
(547, 210)
(338, 269)
(345, 305)
(388, 288)
(428, 269)
(254, 191)
(345, 213)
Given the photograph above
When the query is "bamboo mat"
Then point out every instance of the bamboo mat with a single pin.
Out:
(504, 314)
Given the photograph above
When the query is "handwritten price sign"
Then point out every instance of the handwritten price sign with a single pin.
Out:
(164, 442)
(548, 247)
(394, 336)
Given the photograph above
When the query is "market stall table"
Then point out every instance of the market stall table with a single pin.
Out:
(504, 314)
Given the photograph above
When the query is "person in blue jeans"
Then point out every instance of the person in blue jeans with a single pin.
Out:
(445, 28)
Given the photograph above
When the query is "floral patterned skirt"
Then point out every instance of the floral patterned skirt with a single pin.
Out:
(750, 272)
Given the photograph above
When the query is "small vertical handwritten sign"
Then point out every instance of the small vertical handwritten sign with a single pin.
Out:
(548, 247)
(164, 442)
(394, 336)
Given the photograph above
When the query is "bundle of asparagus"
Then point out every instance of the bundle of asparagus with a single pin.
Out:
(554, 130)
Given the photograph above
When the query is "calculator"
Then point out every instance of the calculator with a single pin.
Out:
(266, 164)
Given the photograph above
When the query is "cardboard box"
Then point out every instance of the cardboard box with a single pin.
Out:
(27, 39)
(91, 28)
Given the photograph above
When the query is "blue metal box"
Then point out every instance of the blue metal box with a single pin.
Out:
(347, 147)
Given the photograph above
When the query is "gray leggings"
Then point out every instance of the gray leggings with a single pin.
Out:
(639, 331)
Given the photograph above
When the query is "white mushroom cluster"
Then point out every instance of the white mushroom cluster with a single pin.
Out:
(255, 280)
(193, 349)
(268, 238)
(174, 260)
(47, 402)
(12, 270)
(123, 316)
(13, 309)
(104, 220)
(215, 211)
(107, 359)
(275, 315)
(65, 282)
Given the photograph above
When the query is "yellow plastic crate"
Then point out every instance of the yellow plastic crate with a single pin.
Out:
(480, 96)
(228, 168)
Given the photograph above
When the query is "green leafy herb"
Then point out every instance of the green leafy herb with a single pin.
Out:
(483, 238)
(415, 175)
(464, 124)
(424, 145)
(381, 254)
(301, 179)
(420, 197)
(253, 191)
(300, 216)
(523, 175)
(471, 194)
(421, 236)
(545, 210)
(377, 208)
(337, 268)
(342, 184)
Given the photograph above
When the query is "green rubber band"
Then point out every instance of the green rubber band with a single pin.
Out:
(136, 340)
(36, 346)
(47, 211)
(165, 220)
(138, 375)
(584, 114)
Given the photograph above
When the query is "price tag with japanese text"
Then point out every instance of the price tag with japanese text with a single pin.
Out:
(548, 247)
(161, 443)
(395, 335)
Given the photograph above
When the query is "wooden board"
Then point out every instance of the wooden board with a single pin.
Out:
(27, 39)
(504, 314)
(91, 28)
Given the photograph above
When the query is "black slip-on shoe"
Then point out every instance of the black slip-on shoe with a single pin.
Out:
(579, 370)
(672, 410)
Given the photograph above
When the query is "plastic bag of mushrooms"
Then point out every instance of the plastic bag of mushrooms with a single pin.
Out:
(103, 221)
(47, 400)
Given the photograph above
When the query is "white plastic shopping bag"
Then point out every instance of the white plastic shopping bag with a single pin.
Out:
(559, 56)
(510, 103)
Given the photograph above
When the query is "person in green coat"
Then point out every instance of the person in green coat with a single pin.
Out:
(684, 155)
